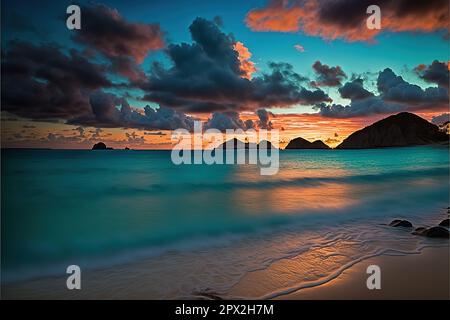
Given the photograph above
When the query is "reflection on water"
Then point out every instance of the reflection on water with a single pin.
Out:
(218, 223)
(265, 266)
(296, 199)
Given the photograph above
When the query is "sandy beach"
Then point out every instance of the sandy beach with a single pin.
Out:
(414, 276)
(421, 276)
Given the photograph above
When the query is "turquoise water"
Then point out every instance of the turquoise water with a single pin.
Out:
(96, 208)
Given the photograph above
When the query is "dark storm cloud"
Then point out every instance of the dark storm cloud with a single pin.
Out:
(232, 120)
(395, 95)
(264, 119)
(42, 82)
(227, 120)
(106, 113)
(346, 19)
(359, 108)
(206, 77)
(395, 89)
(124, 43)
(354, 90)
(128, 68)
(108, 32)
(327, 76)
(437, 72)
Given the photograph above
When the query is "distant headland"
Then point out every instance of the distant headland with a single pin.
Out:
(399, 130)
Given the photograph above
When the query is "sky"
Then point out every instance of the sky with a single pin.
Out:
(136, 70)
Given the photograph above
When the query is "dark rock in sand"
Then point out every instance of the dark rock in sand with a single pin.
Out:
(419, 231)
(300, 143)
(433, 232)
(403, 129)
(437, 232)
(445, 223)
(401, 223)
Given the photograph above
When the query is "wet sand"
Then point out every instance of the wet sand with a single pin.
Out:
(418, 276)
(414, 276)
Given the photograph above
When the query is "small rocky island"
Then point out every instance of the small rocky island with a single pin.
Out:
(101, 146)
(300, 143)
(238, 144)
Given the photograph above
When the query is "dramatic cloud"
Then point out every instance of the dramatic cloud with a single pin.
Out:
(327, 76)
(437, 72)
(232, 120)
(207, 76)
(354, 90)
(126, 44)
(128, 68)
(359, 108)
(214, 74)
(264, 119)
(247, 67)
(346, 19)
(227, 120)
(105, 113)
(42, 82)
(394, 89)
(105, 30)
(395, 95)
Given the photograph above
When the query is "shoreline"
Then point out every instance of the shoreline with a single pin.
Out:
(430, 270)
(412, 276)
(324, 267)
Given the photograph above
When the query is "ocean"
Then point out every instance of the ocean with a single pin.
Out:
(215, 225)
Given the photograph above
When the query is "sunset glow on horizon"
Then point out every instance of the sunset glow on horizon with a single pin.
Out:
(259, 64)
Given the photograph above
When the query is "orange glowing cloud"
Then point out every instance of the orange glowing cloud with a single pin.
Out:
(276, 17)
(247, 67)
(338, 19)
